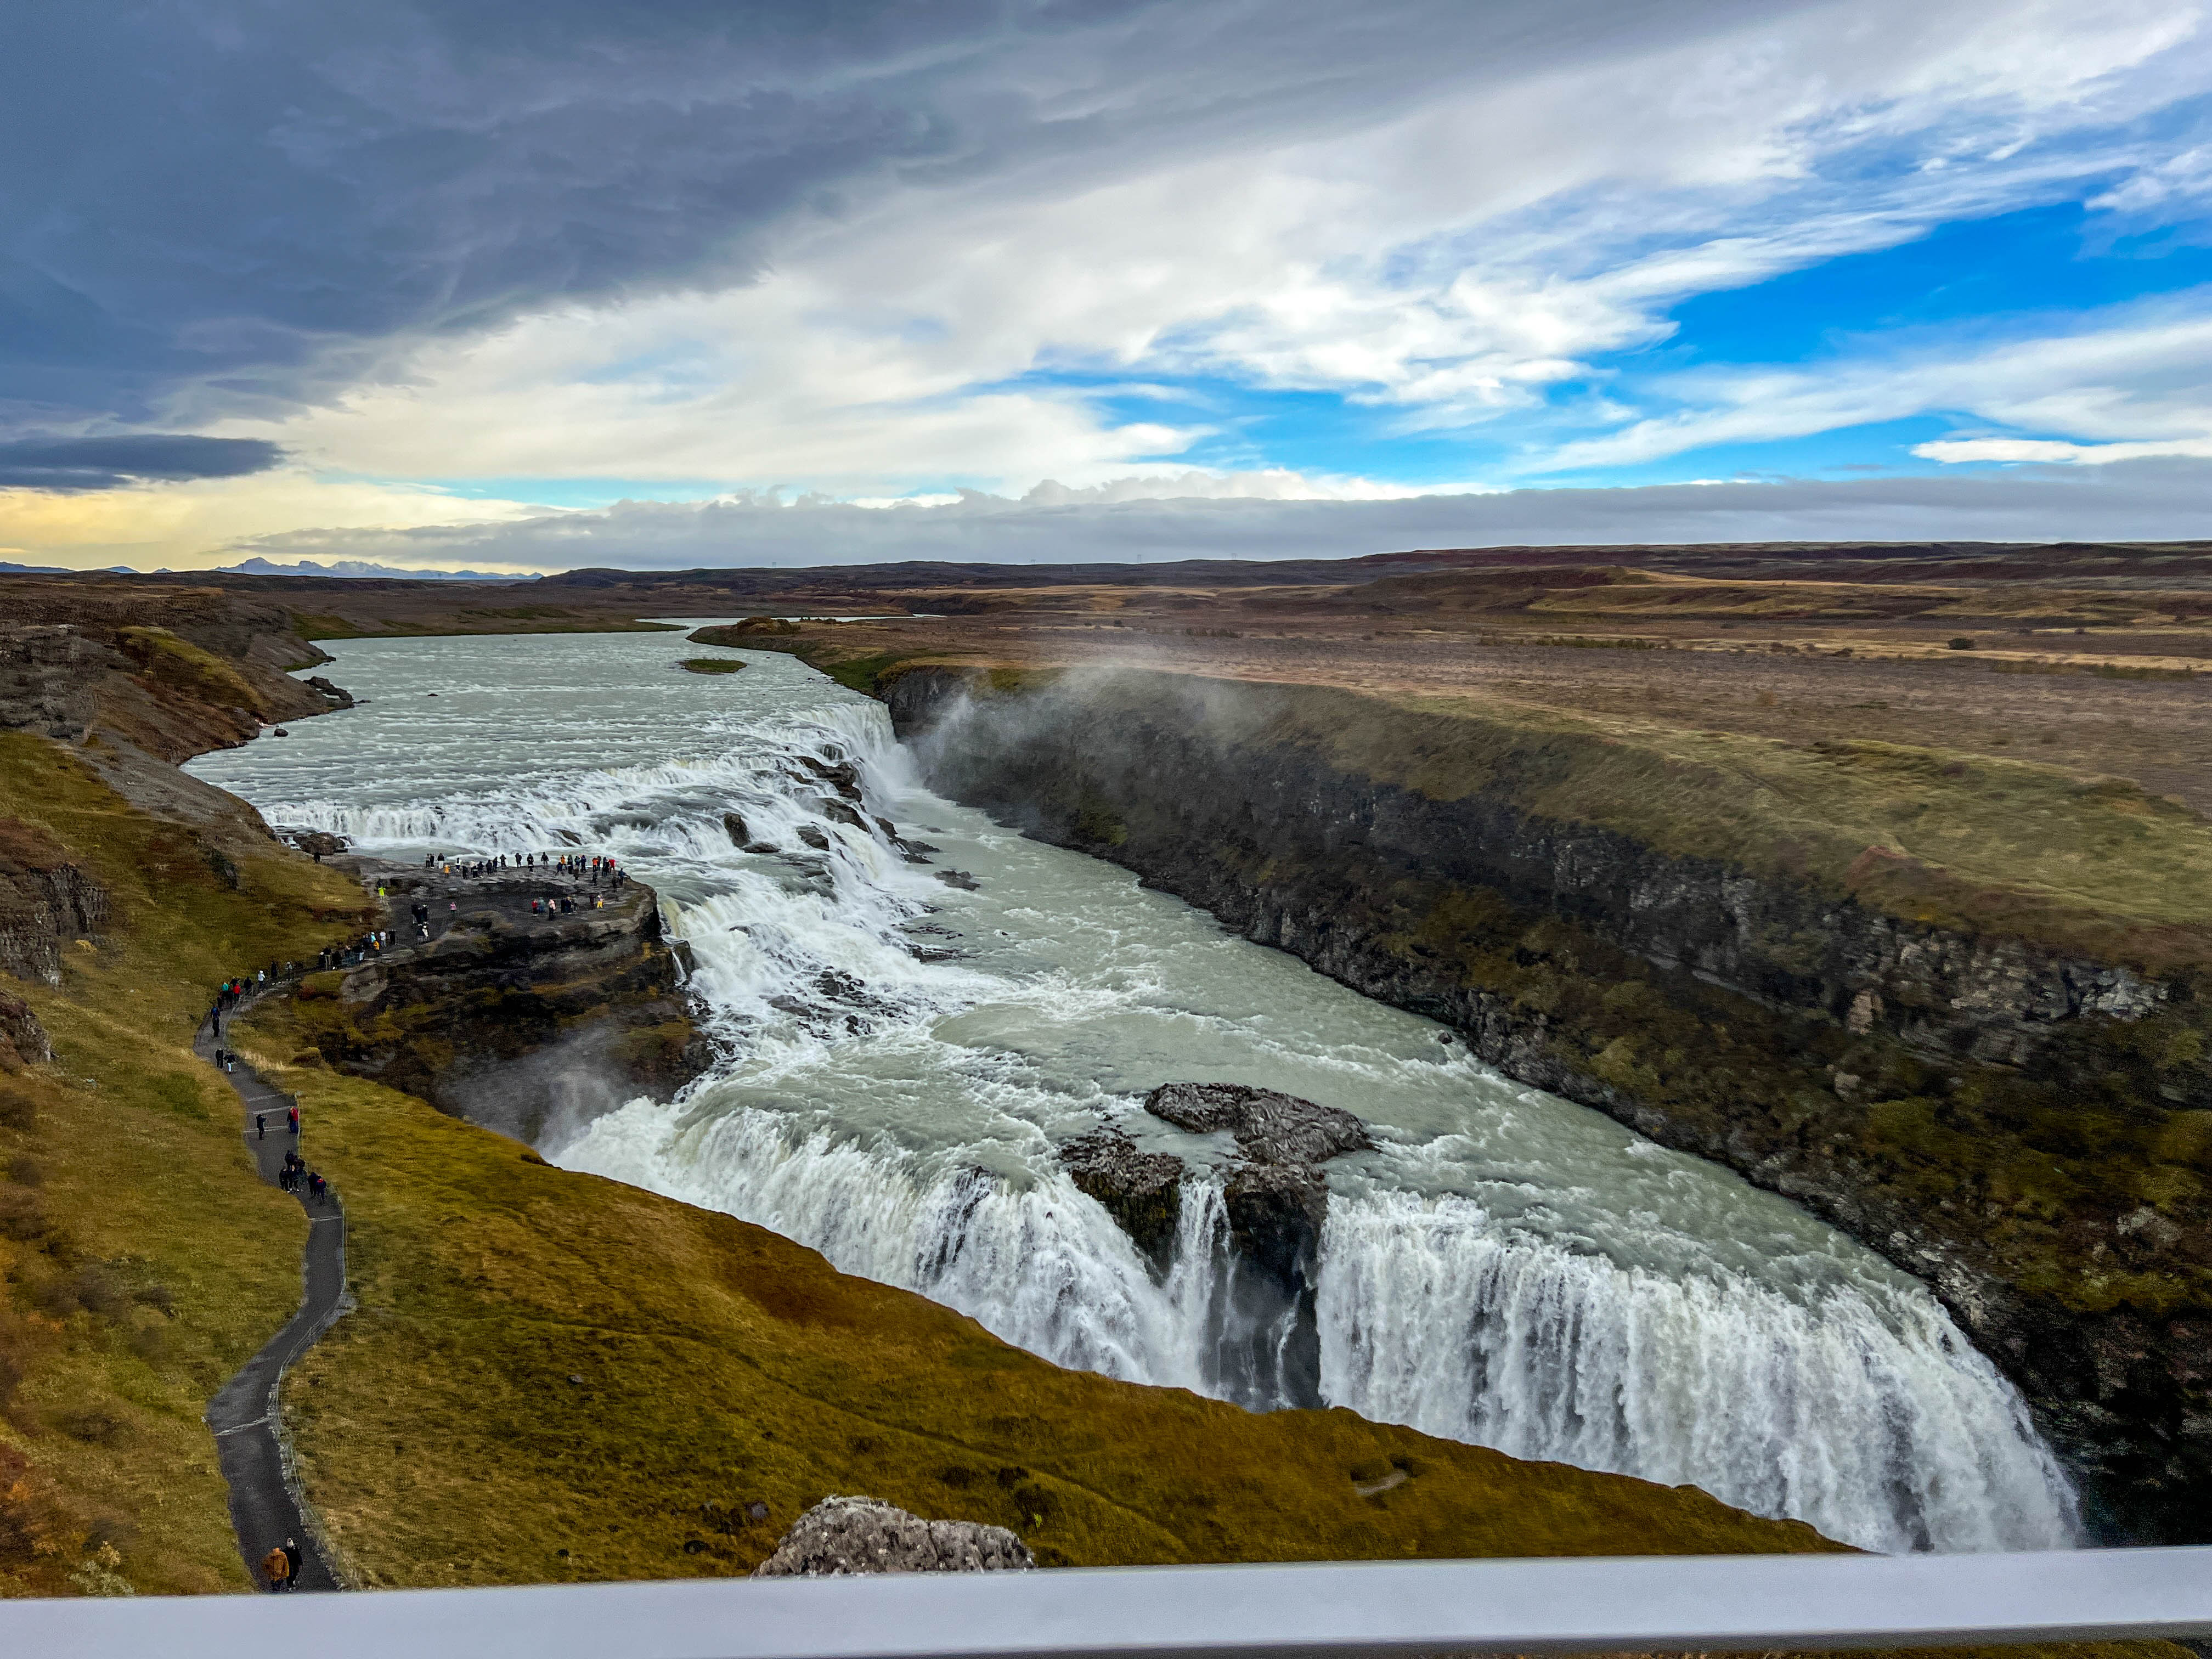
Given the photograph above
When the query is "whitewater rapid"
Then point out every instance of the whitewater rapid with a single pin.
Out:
(901, 1056)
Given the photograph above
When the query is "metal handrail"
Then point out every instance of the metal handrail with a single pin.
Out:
(1659, 1603)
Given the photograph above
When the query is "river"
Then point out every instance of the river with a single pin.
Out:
(901, 1056)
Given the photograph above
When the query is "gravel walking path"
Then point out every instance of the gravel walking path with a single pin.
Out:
(265, 1503)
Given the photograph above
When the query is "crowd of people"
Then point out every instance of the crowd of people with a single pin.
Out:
(231, 991)
(295, 1177)
(371, 944)
(597, 870)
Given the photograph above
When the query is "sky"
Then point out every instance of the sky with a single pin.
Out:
(676, 284)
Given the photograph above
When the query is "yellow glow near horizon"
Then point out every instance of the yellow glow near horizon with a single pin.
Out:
(201, 524)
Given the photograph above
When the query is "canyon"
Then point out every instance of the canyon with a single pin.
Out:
(142, 1263)
(1840, 1023)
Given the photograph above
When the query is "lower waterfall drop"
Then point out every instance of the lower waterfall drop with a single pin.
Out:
(1871, 1418)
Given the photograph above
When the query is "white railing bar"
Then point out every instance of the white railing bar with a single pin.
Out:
(1678, 1604)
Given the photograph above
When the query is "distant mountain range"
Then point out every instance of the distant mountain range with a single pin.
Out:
(259, 566)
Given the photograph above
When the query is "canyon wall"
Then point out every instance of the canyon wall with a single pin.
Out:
(2016, 1116)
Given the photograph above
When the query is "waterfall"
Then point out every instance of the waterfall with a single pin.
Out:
(901, 1057)
(1875, 1421)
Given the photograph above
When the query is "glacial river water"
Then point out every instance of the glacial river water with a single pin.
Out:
(901, 1056)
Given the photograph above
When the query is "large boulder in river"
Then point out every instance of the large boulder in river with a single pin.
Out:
(842, 1536)
(1142, 1191)
(1276, 1200)
(1269, 1128)
(1276, 1196)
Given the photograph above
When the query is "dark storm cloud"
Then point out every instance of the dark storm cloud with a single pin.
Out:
(2127, 500)
(223, 190)
(74, 463)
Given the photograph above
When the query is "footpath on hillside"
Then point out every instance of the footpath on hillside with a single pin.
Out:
(265, 1507)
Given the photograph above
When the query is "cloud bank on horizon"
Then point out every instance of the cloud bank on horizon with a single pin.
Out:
(668, 284)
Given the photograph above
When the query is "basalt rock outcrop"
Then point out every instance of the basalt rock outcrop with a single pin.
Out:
(531, 1023)
(45, 901)
(1142, 1191)
(840, 1537)
(1274, 1197)
(134, 680)
(2026, 1127)
(22, 1038)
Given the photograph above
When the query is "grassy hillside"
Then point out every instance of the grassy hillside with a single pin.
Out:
(140, 1263)
(1986, 845)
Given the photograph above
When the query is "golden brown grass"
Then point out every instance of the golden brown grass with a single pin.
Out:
(2074, 862)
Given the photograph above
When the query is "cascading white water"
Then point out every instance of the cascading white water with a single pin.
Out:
(902, 1056)
(1871, 1419)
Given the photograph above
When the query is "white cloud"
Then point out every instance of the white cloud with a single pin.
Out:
(1469, 243)
(1274, 484)
(2121, 376)
(2042, 449)
(2184, 178)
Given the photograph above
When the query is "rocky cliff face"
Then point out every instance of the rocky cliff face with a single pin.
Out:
(45, 901)
(22, 1038)
(133, 683)
(532, 1024)
(2025, 1129)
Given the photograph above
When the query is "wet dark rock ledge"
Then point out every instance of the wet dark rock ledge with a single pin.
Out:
(1276, 1199)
